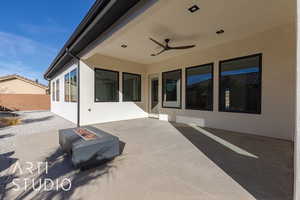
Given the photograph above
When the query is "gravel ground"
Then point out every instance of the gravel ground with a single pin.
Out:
(32, 122)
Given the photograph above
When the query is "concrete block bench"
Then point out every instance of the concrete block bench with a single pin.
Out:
(88, 145)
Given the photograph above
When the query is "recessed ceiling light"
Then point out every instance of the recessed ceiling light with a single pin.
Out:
(123, 45)
(194, 8)
(221, 31)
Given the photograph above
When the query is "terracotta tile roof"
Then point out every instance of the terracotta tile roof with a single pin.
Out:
(15, 76)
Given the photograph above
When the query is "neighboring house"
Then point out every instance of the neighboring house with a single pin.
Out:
(20, 93)
(15, 84)
(241, 76)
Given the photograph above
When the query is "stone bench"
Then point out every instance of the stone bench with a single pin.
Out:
(88, 145)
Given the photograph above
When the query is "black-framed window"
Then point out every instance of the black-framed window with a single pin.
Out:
(106, 85)
(199, 87)
(53, 91)
(154, 92)
(240, 84)
(67, 87)
(57, 90)
(131, 87)
(73, 85)
(171, 89)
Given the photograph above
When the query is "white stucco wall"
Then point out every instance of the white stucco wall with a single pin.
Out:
(278, 84)
(97, 112)
(67, 110)
(297, 114)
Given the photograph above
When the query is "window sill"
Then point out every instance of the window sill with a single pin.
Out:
(133, 101)
(198, 109)
(106, 101)
(172, 107)
(241, 112)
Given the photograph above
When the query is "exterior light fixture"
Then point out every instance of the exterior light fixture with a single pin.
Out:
(194, 8)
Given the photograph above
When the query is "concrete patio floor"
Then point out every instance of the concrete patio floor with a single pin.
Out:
(163, 160)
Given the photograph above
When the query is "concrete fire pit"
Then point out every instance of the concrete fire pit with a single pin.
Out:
(88, 145)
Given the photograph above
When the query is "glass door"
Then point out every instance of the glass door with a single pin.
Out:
(154, 99)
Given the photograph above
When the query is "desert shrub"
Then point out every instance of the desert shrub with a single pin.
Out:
(9, 121)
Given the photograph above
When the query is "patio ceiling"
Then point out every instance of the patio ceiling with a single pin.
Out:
(171, 19)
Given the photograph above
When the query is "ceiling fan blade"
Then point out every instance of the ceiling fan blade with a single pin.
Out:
(183, 47)
(158, 43)
(156, 54)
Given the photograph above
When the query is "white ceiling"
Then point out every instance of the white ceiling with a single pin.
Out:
(171, 19)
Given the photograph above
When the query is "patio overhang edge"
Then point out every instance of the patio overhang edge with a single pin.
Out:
(102, 15)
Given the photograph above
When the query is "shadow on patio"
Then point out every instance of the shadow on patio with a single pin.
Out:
(261, 165)
(27, 121)
(60, 169)
(6, 135)
(6, 161)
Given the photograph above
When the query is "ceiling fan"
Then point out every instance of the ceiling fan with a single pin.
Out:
(166, 47)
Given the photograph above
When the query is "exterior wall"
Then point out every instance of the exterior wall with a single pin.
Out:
(17, 86)
(297, 114)
(67, 110)
(278, 84)
(24, 102)
(97, 112)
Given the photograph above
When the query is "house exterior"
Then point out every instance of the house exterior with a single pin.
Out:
(242, 74)
(15, 84)
(20, 93)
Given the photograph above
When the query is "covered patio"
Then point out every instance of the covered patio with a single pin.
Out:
(234, 88)
(163, 160)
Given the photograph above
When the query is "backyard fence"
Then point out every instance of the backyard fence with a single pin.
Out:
(20, 102)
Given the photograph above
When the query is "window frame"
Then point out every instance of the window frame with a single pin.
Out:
(70, 91)
(212, 88)
(118, 85)
(57, 90)
(67, 74)
(140, 79)
(162, 91)
(259, 55)
(54, 90)
(69, 86)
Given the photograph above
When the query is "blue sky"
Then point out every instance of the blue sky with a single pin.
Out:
(203, 77)
(33, 31)
(198, 78)
(241, 71)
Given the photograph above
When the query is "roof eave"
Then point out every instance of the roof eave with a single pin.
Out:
(102, 15)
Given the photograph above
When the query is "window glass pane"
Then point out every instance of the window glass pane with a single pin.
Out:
(106, 86)
(172, 89)
(53, 91)
(67, 87)
(73, 85)
(131, 87)
(199, 87)
(240, 85)
(154, 93)
(57, 90)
